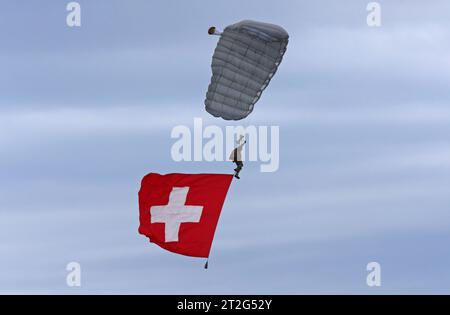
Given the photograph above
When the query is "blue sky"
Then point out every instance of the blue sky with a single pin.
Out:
(364, 172)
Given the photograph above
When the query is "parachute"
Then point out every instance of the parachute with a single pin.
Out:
(246, 58)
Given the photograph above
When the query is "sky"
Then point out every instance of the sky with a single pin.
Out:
(364, 176)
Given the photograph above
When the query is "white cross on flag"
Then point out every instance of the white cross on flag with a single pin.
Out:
(179, 212)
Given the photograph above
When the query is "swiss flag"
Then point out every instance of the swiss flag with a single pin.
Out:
(179, 212)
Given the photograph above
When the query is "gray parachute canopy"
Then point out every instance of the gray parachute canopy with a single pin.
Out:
(246, 58)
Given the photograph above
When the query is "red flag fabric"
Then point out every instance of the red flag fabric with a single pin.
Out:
(179, 212)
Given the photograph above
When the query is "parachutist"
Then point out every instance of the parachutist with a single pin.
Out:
(236, 156)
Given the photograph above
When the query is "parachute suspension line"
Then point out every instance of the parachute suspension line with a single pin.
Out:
(206, 264)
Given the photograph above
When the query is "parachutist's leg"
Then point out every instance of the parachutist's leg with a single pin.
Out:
(238, 168)
(237, 165)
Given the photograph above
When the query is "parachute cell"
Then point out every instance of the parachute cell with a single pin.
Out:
(246, 58)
